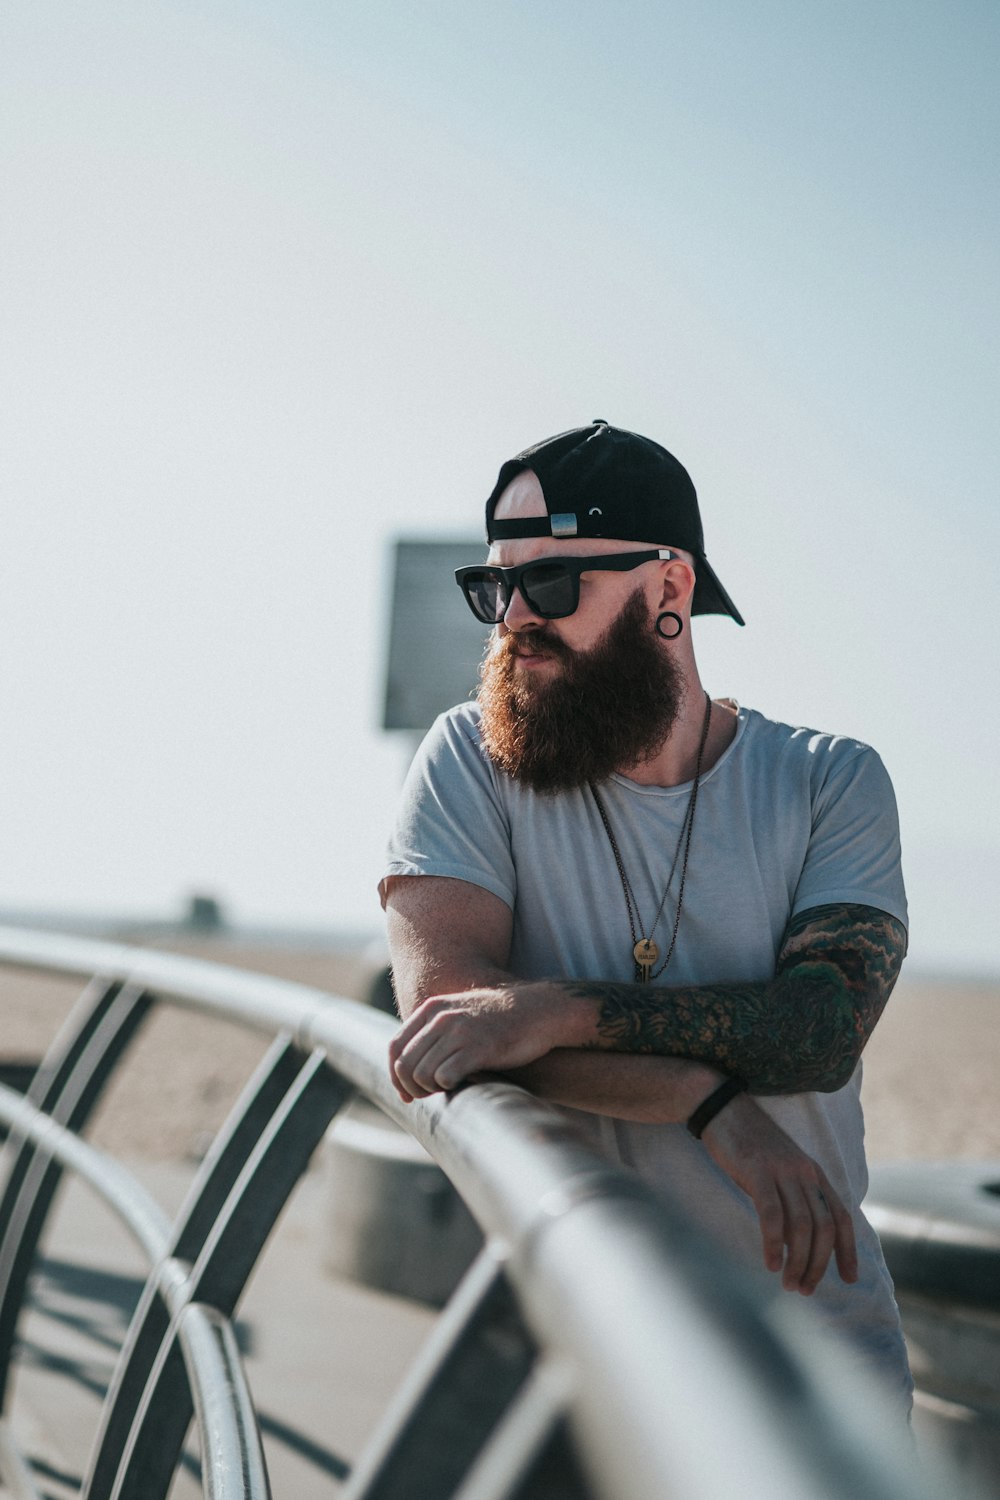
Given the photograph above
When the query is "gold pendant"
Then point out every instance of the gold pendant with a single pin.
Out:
(645, 954)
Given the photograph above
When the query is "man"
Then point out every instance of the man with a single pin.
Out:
(672, 916)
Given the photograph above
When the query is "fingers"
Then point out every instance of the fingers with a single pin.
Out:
(803, 1222)
(436, 1048)
(426, 1064)
(797, 1239)
(844, 1244)
(816, 1226)
(408, 1054)
(809, 1235)
(821, 1249)
(771, 1214)
(448, 1037)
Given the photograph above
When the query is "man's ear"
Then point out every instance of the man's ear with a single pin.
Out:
(677, 585)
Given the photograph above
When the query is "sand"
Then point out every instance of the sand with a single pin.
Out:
(930, 1075)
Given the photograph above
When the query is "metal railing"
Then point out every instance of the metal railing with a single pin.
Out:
(596, 1347)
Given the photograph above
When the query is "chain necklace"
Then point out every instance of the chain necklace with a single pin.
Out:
(644, 950)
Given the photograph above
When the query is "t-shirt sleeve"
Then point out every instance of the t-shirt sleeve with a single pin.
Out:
(450, 819)
(854, 851)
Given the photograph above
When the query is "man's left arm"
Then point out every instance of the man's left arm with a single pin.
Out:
(802, 1030)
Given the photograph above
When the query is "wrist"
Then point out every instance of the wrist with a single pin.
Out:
(694, 1085)
(713, 1104)
(574, 1016)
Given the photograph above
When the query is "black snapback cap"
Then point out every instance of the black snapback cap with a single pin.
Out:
(600, 481)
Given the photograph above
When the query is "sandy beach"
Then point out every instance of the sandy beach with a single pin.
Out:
(930, 1071)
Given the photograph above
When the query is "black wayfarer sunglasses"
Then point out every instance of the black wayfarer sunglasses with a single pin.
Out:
(550, 586)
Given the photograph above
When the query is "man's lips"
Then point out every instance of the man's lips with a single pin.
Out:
(533, 647)
(532, 657)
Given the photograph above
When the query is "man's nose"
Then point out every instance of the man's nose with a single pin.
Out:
(519, 614)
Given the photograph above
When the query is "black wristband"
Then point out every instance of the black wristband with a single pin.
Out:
(709, 1108)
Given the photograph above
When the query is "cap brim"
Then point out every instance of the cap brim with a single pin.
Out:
(710, 598)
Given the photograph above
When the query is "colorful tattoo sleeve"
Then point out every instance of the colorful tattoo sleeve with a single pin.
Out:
(803, 1030)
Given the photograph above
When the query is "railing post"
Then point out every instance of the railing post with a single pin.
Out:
(216, 1178)
(67, 1086)
(474, 1364)
(149, 1406)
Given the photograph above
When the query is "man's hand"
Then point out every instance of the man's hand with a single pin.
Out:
(448, 1038)
(802, 1221)
(797, 1208)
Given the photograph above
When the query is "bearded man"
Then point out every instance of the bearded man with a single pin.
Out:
(671, 916)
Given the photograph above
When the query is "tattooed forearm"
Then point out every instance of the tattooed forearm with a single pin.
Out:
(803, 1030)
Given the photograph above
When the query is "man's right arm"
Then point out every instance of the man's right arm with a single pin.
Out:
(446, 936)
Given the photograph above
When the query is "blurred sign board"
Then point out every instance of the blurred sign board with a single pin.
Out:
(435, 642)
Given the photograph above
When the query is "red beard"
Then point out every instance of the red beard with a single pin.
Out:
(599, 711)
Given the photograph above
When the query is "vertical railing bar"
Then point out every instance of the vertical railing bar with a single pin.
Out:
(133, 1370)
(71, 1039)
(73, 1036)
(166, 1384)
(464, 1307)
(256, 1105)
(143, 1464)
(70, 1090)
(50, 1076)
(232, 1147)
(520, 1435)
(439, 1418)
(281, 1154)
(89, 1059)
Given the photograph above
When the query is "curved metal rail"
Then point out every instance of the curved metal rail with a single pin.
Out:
(233, 1459)
(677, 1375)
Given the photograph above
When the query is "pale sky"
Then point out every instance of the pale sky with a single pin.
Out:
(282, 282)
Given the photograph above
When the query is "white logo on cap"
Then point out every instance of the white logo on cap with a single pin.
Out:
(595, 510)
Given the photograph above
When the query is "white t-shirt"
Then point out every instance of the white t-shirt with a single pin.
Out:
(787, 819)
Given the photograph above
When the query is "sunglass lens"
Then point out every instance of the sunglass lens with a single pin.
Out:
(485, 594)
(549, 589)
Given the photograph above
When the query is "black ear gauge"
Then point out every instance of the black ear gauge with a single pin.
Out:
(669, 635)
